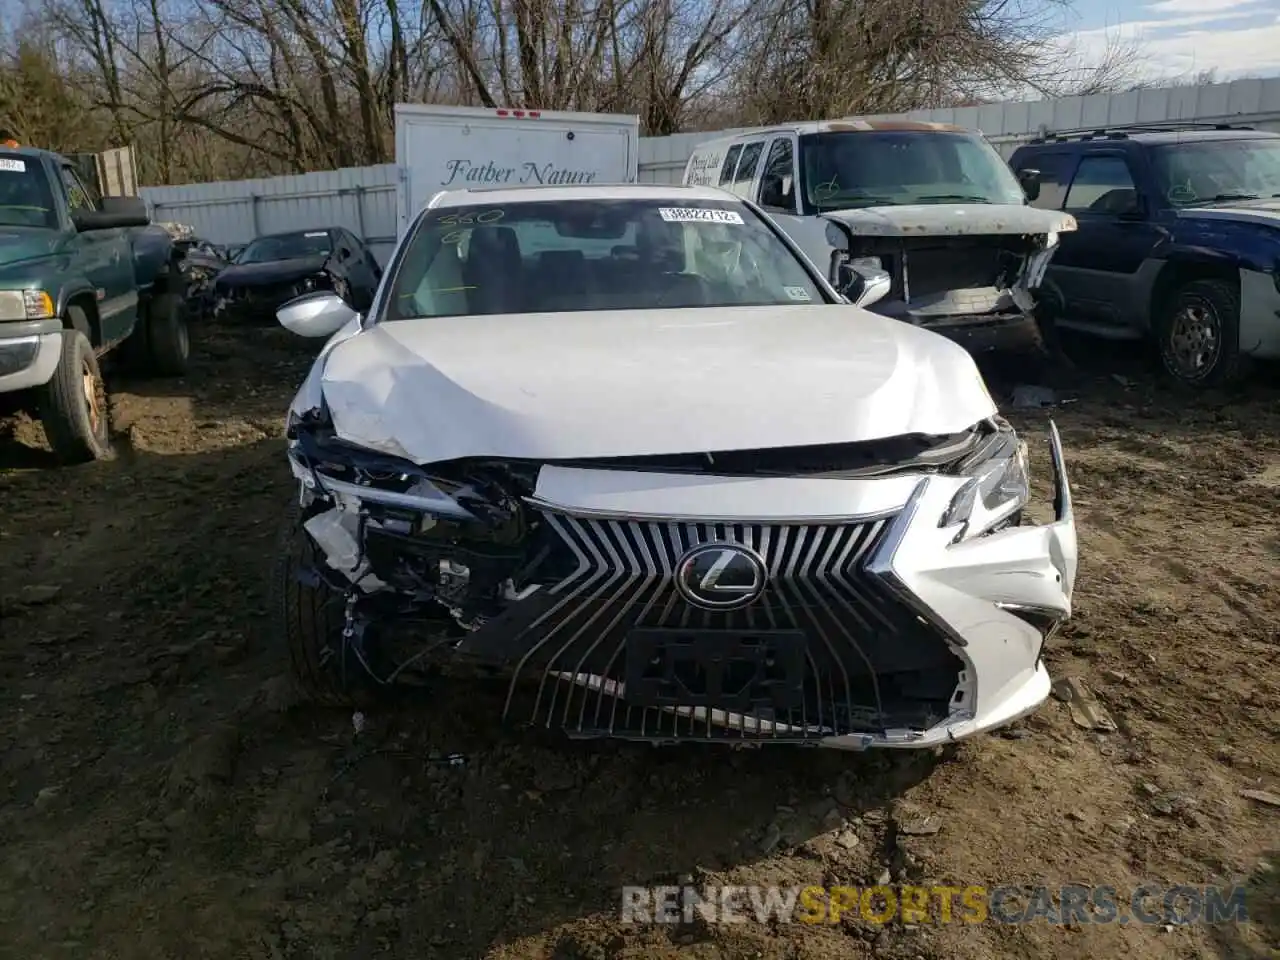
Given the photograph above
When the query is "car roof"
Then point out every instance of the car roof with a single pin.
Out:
(845, 125)
(33, 153)
(603, 191)
(1152, 137)
(294, 233)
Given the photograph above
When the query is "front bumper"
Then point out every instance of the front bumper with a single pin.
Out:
(1003, 333)
(29, 353)
(874, 626)
(245, 310)
(258, 305)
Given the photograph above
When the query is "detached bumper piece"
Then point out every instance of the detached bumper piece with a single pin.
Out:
(617, 648)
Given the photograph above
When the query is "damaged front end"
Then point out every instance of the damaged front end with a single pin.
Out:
(968, 272)
(236, 299)
(452, 545)
(610, 592)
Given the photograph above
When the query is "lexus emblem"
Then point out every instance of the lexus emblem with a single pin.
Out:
(721, 576)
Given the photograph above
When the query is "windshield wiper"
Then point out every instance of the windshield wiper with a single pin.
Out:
(956, 197)
(1225, 197)
(840, 201)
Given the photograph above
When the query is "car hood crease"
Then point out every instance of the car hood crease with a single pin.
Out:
(632, 383)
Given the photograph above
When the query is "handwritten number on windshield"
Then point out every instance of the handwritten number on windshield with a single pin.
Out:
(466, 219)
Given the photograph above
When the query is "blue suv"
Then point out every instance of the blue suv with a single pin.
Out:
(1178, 240)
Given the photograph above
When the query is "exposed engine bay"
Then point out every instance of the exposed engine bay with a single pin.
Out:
(946, 284)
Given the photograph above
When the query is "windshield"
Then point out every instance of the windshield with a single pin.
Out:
(286, 246)
(25, 197)
(876, 168)
(1208, 170)
(571, 255)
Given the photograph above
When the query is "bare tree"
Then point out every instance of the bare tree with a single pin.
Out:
(235, 88)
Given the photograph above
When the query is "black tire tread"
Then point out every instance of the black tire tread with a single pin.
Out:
(1232, 365)
(163, 344)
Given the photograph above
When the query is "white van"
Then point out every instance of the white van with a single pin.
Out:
(933, 205)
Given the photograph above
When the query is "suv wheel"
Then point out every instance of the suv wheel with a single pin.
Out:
(1198, 334)
(73, 404)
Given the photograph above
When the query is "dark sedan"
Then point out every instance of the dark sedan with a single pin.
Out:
(276, 268)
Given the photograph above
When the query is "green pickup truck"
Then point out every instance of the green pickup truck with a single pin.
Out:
(80, 277)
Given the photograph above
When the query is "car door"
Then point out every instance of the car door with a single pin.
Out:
(353, 262)
(776, 191)
(1099, 268)
(107, 259)
(371, 262)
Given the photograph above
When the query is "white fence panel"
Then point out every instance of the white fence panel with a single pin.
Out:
(362, 199)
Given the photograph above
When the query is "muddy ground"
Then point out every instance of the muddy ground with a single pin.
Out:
(161, 795)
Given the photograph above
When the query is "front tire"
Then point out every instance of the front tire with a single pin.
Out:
(1198, 334)
(311, 620)
(73, 404)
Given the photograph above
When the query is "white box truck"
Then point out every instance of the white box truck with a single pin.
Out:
(444, 148)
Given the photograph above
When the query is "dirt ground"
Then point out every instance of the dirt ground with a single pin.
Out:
(161, 795)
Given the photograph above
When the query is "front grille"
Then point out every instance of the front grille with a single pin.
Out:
(861, 661)
(946, 268)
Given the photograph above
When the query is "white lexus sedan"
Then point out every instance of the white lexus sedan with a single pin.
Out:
(625, 449)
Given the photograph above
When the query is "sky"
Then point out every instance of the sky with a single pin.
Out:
(1184, 37)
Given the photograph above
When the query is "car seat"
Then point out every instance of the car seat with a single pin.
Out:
(562, 279)
(494, 271)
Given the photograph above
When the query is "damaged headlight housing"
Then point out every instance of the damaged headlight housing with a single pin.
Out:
(328, 466)
(998, 486)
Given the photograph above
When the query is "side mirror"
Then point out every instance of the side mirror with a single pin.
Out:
(318, 314)
(775, 191)
(1030, 180)
(116, 212)
(863, 285)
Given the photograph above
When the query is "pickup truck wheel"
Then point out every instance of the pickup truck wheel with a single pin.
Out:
(168, 343)
(1198, 334)
(73, 404)
(325, 670)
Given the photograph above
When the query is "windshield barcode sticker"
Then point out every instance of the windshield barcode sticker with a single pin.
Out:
(798, 293)
(698, 215)
(13, 166)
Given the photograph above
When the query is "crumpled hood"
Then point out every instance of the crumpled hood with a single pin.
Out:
(271, 272)
(632, 383)
(1263, 212)
(21, 244)
(951, 220)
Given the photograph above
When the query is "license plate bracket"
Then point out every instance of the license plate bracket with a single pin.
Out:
(742, 671)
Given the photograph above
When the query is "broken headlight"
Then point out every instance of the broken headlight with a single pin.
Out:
(331, 467)
(997, 487)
